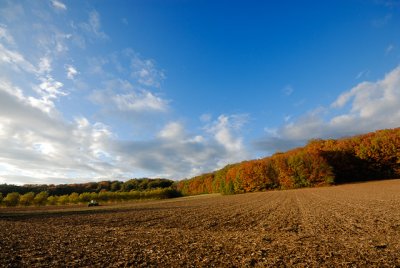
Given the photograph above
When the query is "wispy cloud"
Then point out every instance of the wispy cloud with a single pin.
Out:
(12, 13)
(380, 22)
(288, 90)
(58, 5)
(121, 95)
(125, 21)
(362, 74)
(15, 60)
(44, 65)
(389, 49)
(5, 35)
(145, 71)
(93, 26)
(389, 3)
(140, 101)
(71, 72)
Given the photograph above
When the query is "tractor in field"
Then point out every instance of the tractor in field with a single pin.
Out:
(93, 203)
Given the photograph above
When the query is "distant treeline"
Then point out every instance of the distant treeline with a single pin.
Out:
(43, 198)
(90, 187)
(321, 162)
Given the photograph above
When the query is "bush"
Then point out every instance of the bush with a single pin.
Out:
(12, 199)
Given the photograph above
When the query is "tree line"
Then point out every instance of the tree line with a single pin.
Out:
(103, 191)
(371, 156)
(141, 184)
(43, 198)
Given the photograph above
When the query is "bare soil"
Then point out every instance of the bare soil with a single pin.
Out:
(356, 225)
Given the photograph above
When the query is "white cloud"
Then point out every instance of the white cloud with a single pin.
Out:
(173, 130)
(38, 145)
(225, 131)
(71, 72)
(58, 5)
(176, 154)
(366, 107)
(140, 101)
(223, 135)
(50, 88)
(120, 95)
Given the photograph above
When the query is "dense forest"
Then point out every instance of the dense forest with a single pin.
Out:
(365, 157)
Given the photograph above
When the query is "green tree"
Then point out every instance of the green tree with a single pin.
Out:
(116, 186)
(41, 199)
(27, 199)
(1, 199)
(12, 199)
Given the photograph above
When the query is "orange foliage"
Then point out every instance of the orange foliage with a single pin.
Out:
(321, 162)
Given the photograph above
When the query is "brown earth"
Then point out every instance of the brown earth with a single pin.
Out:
(355, 225)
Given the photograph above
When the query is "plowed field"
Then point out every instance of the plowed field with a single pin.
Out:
(355, 225)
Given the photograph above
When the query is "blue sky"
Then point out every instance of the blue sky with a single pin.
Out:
(93, 90)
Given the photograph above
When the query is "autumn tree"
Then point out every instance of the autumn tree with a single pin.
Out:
(74, 198)
(52, 200)
(27, 199)
(63, 199)
(12, 199)
(41, 198)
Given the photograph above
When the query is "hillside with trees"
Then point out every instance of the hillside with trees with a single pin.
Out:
(371, 156)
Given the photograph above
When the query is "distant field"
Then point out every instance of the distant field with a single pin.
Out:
(347, 225)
